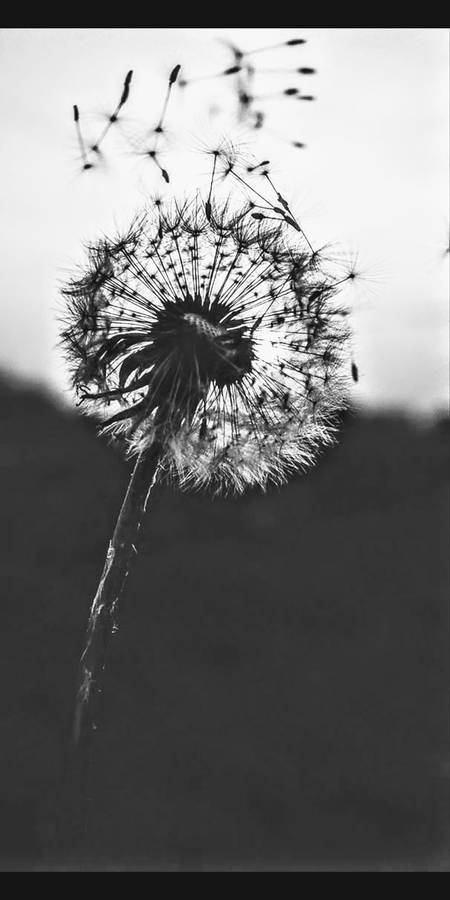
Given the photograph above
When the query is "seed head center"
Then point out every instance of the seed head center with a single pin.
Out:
(203, 327)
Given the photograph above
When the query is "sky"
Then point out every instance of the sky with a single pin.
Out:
(372, 180)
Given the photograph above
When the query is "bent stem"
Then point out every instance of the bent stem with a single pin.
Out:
(102, 615)
(70, 834)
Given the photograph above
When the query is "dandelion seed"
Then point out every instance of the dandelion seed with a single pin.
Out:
(113, 118)
(232, 70)
(126, 89)
(294, 42)
(81, 144)
(277, 95)
(174, 75)
(303, 70)
(172, 79)
(152, 152)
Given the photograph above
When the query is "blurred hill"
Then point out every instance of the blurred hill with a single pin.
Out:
(276, 695)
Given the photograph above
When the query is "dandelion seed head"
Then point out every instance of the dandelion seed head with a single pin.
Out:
(219, 336)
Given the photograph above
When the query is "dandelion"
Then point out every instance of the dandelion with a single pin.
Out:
(210, 340)
(208, 333)
(212, 345)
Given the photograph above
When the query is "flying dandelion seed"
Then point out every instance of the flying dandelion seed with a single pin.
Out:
(240, 77)
(112, 119)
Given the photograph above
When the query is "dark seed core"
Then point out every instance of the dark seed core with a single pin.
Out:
(204, 340)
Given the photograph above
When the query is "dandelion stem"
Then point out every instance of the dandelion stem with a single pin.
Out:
(72, 840)
(102, 616)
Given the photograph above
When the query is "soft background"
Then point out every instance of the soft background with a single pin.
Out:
(373, 179)
(276, 695)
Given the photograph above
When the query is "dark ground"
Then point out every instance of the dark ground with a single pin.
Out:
(276, 695)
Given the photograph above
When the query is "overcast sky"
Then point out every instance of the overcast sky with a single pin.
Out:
(372, 179)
